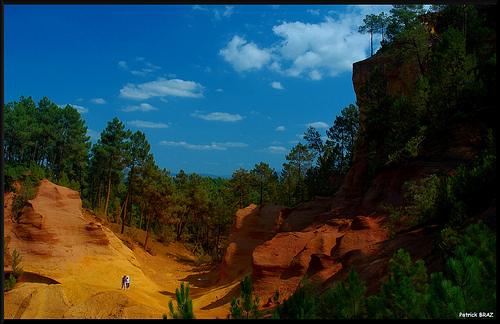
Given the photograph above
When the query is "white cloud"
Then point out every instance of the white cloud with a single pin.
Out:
(142, 107)
(280, 128)
(219, 116)
(318, 125)
(245, 56)
(123, 65)
(277, 85)
(198, 7)
(313, 12)
(94, 136)
(80, 109)
(162, 88)
(99, 101)
(147, 124)
(275, 150)
(314, 50)
(213, 146)
(226, 12)
(329, 47)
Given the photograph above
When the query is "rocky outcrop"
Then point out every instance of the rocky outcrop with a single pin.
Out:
(251, 227)
(72, 265)
(319, 251)
(51, 228)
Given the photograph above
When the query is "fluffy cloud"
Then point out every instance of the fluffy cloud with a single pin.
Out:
(80, 109)
(275, 150)
(314, 50)
(226, 12)
(280, 128)
(328, 47)
(99, 101)
(277, 85)
(122, 65)
(219, 116)
(142, 107)
(245, 56)
(147, 124)
(94, 136)
(318, 125)
(162, 88)
(213, 146)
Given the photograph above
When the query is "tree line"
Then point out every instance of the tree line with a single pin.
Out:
(118, 177)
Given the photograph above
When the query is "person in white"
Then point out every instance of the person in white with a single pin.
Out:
(128, 282)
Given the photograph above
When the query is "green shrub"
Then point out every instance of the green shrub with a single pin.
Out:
(203, 259)
(9, 283)
(36, 173)
(16, 259)
(27, 192)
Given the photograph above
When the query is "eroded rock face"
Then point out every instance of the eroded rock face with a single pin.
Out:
(51, 230)
(251, 227)
(320, 251)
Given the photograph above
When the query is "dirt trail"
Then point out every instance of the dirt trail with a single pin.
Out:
(60, 242)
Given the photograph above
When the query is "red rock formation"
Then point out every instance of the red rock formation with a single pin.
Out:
(251, 227)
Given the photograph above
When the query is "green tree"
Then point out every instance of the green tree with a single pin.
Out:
(240, 186)
(288, 183)
(157, 194)
(403, 295)
(372, 26)
(300, 160)
(46, 114)
(114, 142)
(138, 152)
(71, 147)
(264, 178)
(300, 305)
(184, 304)
(18, 134)
(247, 307)
(344, 132)
(407, 35)
(452, 76)
(470, 281)
(343, 302)
(403, 17)
(96, 171)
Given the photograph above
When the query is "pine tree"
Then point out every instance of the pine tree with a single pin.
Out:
(113, 140)
(247, 307)
(300, 305)
(184, 308)
(341, 301)
(402, 296)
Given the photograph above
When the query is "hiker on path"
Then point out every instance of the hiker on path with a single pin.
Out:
(128, 281)
(124, 283)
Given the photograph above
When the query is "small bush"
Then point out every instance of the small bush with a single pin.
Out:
(203, 259)
(16, 259)
(9, 283)
(27, 192)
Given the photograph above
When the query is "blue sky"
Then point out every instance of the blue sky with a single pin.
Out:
(215, 88)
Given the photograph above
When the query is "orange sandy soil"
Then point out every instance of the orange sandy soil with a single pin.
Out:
(89, 273)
